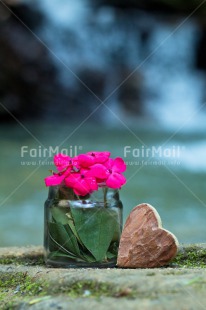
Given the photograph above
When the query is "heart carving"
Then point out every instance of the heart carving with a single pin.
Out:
(144, 243)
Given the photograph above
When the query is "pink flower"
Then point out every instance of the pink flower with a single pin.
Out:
(110, 172)
(99, 171)
(57, 178)
(82, 182)
(54, 180)
(115, 178)
(91, 158)
(86, 172)
(75, 164)
(62, 161)
(65, 165)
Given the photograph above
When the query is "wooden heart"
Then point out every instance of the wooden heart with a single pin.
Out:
(144, 243)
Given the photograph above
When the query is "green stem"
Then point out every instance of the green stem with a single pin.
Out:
(105, 189)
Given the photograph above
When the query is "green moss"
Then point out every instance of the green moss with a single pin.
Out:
(15, 286)
(150, 274)
(18, 287)
(191, 257)
(97, 289)
(11, 280)
(24, 260)
(197, 284)
(89, 288)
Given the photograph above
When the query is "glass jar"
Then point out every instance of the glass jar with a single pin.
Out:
(82, 231)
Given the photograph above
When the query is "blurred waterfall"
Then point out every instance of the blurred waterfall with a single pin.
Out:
(104, 46)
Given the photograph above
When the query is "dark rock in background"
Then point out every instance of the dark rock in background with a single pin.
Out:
(27, 74)
(201, 50)
(29, 86)
(130, 96)
(165, 6)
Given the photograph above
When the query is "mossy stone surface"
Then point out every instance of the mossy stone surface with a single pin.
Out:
(193, 256)
(26, 283)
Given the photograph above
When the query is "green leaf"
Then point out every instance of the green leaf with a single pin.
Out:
(85, 257)
(71, 225)
(59, 215)
(64, 237)
(111, 255)
(88, 258)
(95, 227)
(52, 245)
(60, 254)
(73, 240)
(117, 231)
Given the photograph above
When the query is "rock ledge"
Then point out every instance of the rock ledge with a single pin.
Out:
(25, 283)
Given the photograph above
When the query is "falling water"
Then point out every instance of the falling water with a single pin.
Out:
(171, 89)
